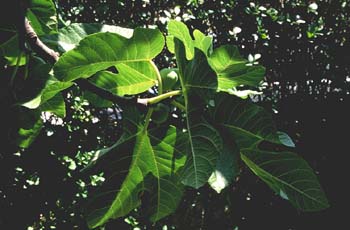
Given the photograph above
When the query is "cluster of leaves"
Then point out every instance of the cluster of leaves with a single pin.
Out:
(199, 130)
(218, 128)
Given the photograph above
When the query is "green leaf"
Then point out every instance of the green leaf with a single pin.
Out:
(232, 70)
(51, 89)
(180, 31)
(288, 175)
(11, 52)
(39, 86)
(131, 79)
(285, 139)
(226, 167)
(168, 189)
(154, 160)
(55, 105)
(30, 125)
(99, 51)
(203, 42)
(198, 83)
(68, 37)
(248, 123)
(42, 16)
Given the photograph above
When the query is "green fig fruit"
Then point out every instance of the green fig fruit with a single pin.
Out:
(169, 78)
(160, 113)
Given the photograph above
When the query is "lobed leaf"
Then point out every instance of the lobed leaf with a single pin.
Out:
(232, 70)
(99, 51)
(198, 84)
(155, 161)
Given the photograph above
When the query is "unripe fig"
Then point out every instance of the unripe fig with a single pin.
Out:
(160, 113)
(169, 78)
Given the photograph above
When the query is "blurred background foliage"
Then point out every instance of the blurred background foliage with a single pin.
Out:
(305, 47)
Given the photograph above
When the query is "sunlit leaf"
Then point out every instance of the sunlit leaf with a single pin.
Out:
(69, 37)
(232, 70)
(99, 51)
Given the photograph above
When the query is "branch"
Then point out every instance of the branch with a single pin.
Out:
(37, 45)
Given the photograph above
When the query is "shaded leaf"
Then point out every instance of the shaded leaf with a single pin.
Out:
(55, 105)
(285, 139)
(288, 175)
(231, 69)
(248, 123)
(226, 167)
(30, 125)
(42, 16)
(39, 86)
(198, 84)
(153, 156)
(50, 90)
(11, 52)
